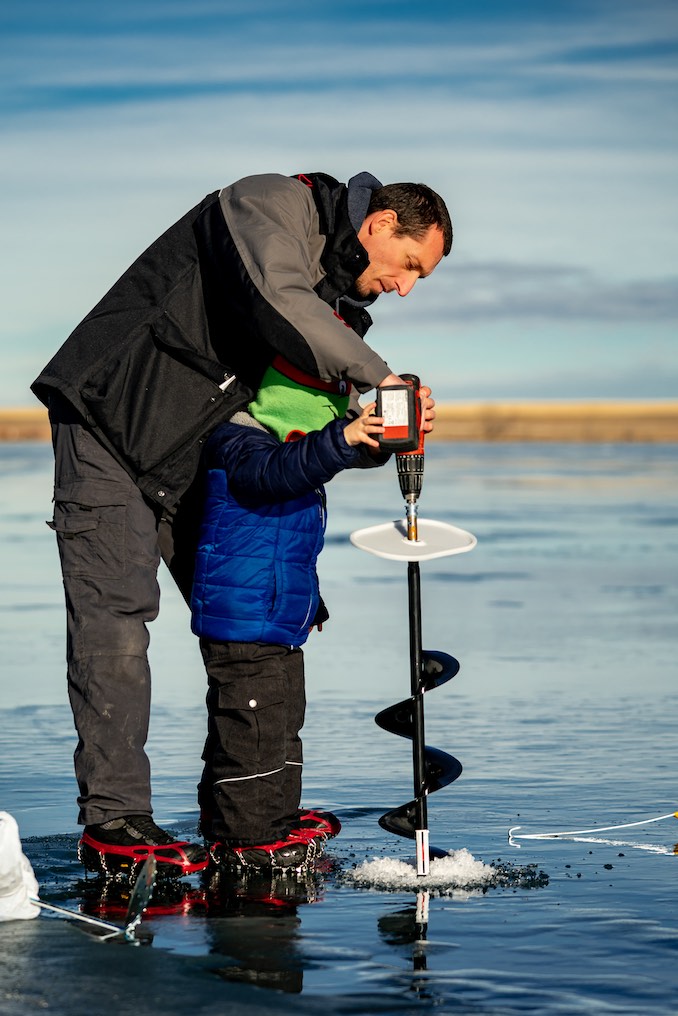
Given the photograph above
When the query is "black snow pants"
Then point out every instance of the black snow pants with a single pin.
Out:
(110, 541)
(251, 783)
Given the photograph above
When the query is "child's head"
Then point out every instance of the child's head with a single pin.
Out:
(291, 403)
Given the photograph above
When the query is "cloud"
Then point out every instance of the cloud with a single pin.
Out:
(86, 56)
(509, 291)
(546, 127)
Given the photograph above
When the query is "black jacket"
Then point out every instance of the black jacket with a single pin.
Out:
(181, 340)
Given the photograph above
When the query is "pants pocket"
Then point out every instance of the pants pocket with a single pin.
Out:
(251, 720)
(91, 538)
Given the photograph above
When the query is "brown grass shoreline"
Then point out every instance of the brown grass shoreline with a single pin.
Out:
(574, 422)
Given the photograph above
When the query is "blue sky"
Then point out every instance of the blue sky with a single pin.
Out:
(550, 129)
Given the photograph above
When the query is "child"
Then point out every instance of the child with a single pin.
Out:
(255, 600)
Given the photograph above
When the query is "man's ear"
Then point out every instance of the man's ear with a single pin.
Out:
(386, 218)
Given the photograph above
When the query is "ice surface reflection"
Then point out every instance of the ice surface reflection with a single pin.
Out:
(564, 713)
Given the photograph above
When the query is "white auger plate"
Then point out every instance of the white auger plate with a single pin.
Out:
(436, 539)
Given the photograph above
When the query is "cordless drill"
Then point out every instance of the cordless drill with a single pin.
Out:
(400, 406)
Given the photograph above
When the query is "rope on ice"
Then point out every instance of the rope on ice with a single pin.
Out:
(512, 833)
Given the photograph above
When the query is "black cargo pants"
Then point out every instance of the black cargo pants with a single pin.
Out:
(251, 783)
(110, 541)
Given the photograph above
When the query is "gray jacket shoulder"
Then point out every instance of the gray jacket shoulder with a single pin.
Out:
(275, 227)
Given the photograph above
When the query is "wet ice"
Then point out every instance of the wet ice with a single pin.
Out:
(564, 715)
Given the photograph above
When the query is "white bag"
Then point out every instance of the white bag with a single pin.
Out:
(17, 880)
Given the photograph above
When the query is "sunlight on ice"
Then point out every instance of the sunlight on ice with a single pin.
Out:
(458, 870)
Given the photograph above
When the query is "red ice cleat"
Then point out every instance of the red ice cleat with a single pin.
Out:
(316, 823)
(294, 853)
(120, 846)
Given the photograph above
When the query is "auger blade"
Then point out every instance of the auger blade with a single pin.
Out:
(434, 852)
(401, 821)
(398, 718)
(438, 668)
(441, 769)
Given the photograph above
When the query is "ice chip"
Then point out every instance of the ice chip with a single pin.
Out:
(458, 870)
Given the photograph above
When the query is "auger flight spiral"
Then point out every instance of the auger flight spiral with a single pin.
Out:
(413, 541)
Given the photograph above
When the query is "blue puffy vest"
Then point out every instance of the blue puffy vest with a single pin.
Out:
(263, 528)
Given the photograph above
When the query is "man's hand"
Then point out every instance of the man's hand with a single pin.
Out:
(428, 408)
(359, 431)
(390, 380)
(428, 414)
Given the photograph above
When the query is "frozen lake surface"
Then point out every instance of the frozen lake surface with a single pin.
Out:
(564, 620)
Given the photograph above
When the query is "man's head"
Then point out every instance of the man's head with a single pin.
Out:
(406, 232)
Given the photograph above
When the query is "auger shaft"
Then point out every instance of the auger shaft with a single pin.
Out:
(418, 738)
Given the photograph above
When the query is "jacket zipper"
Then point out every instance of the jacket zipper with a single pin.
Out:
(321, 510)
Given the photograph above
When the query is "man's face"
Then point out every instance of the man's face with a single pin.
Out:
(396, 262)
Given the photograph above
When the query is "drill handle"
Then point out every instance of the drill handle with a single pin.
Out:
(400, 406)
(413, 380)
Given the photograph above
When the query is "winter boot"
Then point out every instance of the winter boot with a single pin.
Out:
(316, 823)
(294, 853)
(119, 847)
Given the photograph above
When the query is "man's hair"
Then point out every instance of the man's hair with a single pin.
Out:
(417, 207)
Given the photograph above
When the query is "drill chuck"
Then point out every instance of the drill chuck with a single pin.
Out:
(410, 474)
(410, 477)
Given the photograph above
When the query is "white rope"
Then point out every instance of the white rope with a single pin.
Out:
(652, 848)
(75, 916)
(581, 832)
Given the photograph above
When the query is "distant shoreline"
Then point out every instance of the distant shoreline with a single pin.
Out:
(570, 422)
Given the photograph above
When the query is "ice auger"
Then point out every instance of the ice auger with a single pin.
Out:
(413, 541)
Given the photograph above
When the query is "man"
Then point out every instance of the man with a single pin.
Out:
(270, 265)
